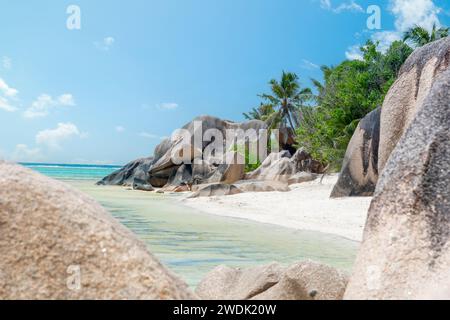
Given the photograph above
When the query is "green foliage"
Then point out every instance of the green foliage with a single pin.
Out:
(280, 107)
(350, 91)
(263, 112)
(420, 36)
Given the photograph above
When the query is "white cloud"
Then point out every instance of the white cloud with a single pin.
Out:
(6, 63)
(385, 39)
(354, 53)
(44, 103)
(150, 135)
(6, 106)
(105, 44)
(6, 94)
(350, 5)
(411, 12)
(167, 106)
(66, 100)
(53, 138)
(308, 65)
(7, 90)
(120, 129)
(407, 14)
(23, 153)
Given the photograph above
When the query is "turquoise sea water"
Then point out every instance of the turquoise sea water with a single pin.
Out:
(73, 171)
(192, 243)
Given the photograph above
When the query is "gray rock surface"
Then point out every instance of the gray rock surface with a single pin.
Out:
(261, 186)
(359, 174)
(226, 283)
(164, 166)
(407, 95)
(406, 248)
(215, 189)
(142, 185)
(232, 170)
(302, 177)
(57, 243)
(282, 167)
(224, 189)
(125, 176)
(301, 281)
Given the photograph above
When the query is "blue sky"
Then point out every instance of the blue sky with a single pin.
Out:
(137, 70)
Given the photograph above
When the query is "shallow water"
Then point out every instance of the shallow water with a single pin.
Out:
(192, 243)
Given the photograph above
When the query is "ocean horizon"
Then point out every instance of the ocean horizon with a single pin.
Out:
(68, 171)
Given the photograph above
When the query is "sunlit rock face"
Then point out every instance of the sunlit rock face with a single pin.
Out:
(405, 253)
(409, 93)
(57, 243)
(301, 281)
(378, 133)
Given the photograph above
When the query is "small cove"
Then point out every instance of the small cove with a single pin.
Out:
(191, 243)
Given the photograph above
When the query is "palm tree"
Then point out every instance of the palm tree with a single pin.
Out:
(420, 36)
(287, 97)
(263, 112)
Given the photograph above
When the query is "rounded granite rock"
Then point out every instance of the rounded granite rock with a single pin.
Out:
(57, 243)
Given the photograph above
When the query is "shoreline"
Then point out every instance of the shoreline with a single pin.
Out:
(306, 207)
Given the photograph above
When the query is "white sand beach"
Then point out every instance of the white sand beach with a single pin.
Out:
(306, 207)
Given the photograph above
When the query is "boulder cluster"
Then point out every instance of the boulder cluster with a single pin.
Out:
(205, 175)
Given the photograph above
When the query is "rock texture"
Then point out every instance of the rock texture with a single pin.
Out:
(51, 236)
(359, 174)
(406, 97)
(137, 169)
(202, 167)
(282, 167)
(232, 170)
(404, 100)
(224, 189)
(406, 248)
(164, 167)
(262, 186)
(142, 185)
(216, 189)
(302, 177)
(301, 281)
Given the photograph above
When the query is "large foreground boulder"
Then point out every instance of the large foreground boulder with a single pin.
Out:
(301, 281)
(359, 174)
(57, 243)
(405, 253)
(406, 97)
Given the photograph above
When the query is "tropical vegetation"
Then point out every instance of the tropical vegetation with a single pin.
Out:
(323, 119)
(419, 36)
